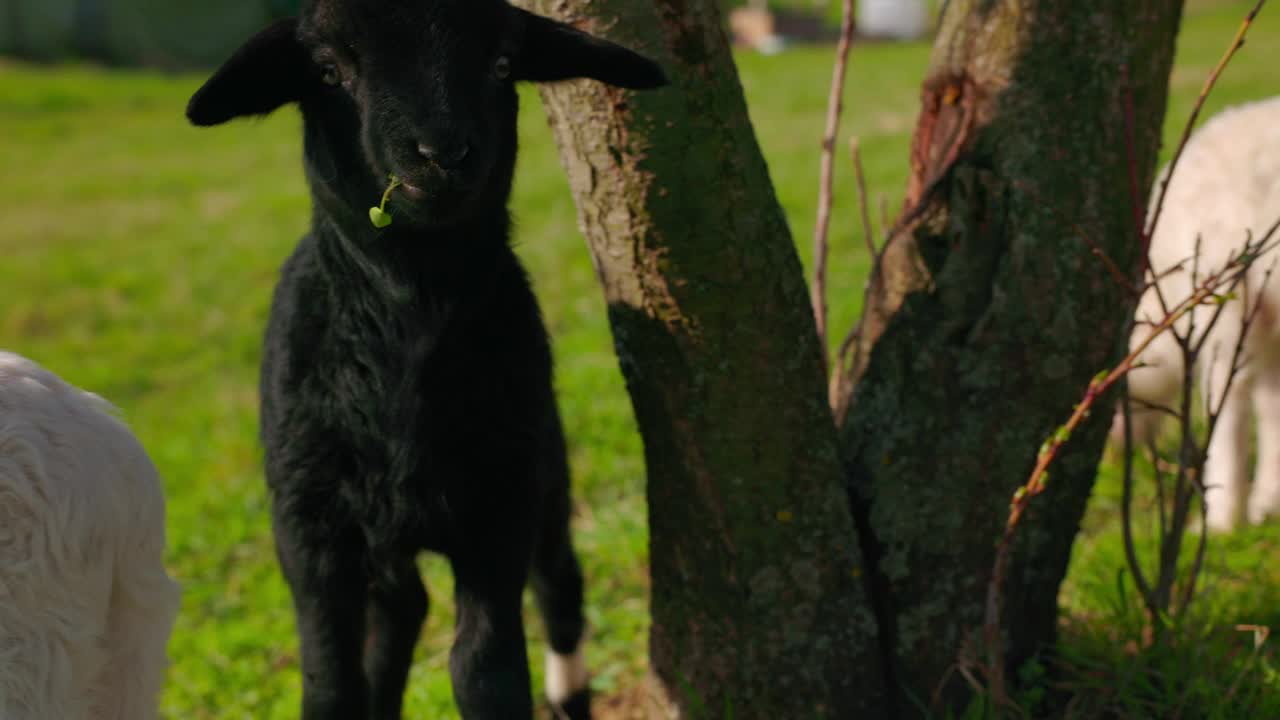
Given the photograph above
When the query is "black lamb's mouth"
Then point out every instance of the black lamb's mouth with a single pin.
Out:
(413, 191)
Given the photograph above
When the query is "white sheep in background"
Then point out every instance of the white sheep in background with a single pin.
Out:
(1226, 186)
(86, 606)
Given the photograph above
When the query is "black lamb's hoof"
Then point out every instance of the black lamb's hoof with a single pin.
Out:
(576, 707)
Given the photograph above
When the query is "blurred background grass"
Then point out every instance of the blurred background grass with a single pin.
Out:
(138, 255)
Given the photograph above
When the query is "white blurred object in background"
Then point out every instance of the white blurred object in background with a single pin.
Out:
(897, 19)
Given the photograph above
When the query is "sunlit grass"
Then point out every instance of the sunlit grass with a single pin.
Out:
(137, 255)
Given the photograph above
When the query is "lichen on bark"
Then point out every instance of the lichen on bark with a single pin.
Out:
(756, 598)
(988, 319)
(992, 314)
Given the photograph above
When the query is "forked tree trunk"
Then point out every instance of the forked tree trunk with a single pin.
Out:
(992, 316)
(756, 601)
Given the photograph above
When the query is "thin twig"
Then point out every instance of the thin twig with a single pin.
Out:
(1190, 461)
(1136, 201)
(1135, 195)
(1209, 84)
(825, 192)
(867, 233)
(1159, 469)
(853, 339)
(1254, 307)
(1153, 220)
(1188, 473)
(1190, 465)
(1202, 546)
(1126, 497)
(1147, 405)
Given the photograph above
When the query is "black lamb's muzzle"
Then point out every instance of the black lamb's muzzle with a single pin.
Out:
(434, 194)
(433, 199)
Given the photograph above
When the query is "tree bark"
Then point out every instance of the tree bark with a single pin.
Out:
(756, 600)
(992, 313)
(989, 317)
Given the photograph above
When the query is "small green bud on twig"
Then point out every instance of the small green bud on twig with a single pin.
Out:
(379, 215)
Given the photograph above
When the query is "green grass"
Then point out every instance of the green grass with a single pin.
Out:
(138, 258)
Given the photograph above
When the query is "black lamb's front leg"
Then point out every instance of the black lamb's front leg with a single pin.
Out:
(397, 608)
(490, 560)
(327, 580)
(558, 587)
(488, 665)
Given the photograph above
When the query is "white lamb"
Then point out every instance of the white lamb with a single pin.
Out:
(86, 606)
(1226, 186)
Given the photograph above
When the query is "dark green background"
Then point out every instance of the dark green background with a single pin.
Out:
(164, 33)
(157, 33)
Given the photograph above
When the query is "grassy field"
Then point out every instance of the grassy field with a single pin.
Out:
(138, 258)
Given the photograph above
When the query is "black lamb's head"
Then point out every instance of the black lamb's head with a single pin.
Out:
(419, 89)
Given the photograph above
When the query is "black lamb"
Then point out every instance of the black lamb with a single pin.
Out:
(406, 383)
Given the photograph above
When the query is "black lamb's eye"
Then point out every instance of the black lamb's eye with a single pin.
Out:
(330, 74)
(502, 67)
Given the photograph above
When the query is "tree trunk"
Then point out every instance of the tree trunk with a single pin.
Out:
(1038, 138)
(756, 601)
(989, 318)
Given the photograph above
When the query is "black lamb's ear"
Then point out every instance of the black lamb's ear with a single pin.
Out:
(554, 51)
(265, 73)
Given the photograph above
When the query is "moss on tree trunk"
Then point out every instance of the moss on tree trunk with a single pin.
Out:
(756, 598)
(993, 312)
(989, 318)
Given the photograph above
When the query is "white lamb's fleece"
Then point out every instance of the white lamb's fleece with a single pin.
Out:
(1226, 186)
(86, 606)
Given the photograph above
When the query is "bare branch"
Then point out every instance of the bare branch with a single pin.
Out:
(852, 340)
(1209, 84)
(1158, 466)
(1126, 497)
(825, 192)
(868, 234)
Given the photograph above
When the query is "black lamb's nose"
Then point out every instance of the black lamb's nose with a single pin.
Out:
(445, 158)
